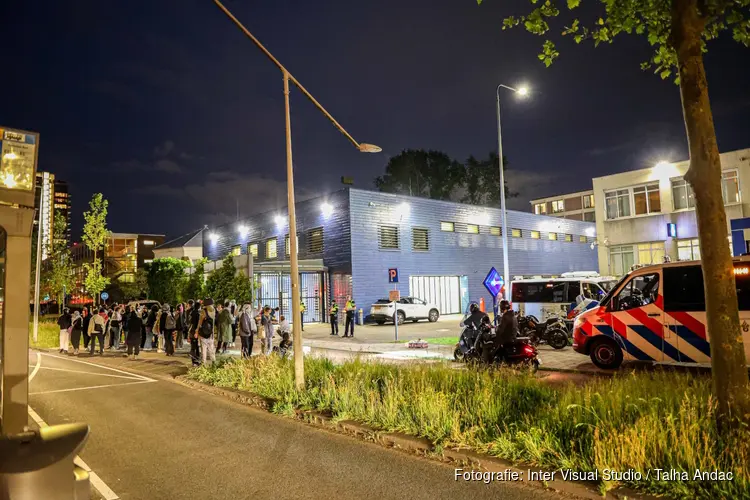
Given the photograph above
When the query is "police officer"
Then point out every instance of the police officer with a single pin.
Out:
(302, 309)
(350, 309)
(333, 314)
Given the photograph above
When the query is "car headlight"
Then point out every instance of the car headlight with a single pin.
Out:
(577, 323)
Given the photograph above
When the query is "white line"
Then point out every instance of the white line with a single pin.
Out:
(91, 387)
(100, 486)
(36, 368)
(100, 366)
(131, 377)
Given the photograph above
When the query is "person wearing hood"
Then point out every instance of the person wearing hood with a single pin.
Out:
(224, 327)
(205, 331)
(76, 330)
(64, 323)
(167, 326)
(86, 315)
(133, 339)
(247, 327)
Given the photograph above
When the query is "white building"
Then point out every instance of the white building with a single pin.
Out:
(576, 206)
(635, 212)
(187, 247)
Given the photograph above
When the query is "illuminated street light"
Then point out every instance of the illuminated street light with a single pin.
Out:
(242, 230)
(213, 237)
(523, 91)
(279, 220)
(326, 209)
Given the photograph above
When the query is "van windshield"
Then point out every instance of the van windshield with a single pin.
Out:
(613, 285)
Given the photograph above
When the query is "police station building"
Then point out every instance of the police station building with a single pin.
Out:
(350, 241)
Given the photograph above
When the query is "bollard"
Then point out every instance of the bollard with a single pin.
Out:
(39, 464)
(361, 317)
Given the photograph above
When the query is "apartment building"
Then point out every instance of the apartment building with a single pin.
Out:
(645, 215)
(575, 206)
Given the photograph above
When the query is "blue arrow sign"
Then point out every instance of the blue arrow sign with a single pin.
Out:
(493, 282)
(105, 295)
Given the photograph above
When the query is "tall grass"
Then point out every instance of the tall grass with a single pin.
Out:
(48, 335)
(644, 421)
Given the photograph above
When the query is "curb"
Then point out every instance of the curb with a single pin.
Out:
(419, 446)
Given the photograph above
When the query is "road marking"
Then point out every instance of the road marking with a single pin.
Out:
(36, 368)
(100, 366)
(91, 387)
(131, 377)
(99, 485)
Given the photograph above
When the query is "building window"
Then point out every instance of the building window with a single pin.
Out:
(496, 231)
(315, 240)
(271, 248)
(583, 239)
(236, 250)
(448, 227)
(389, 238)
(148, 243)
(420, 239)
(472, 229)
(688, 249)
(253, 250)
(589, 216)
(730, 187)
(552, 236)
(148, 261)
(618, 203)
(682, 194)
(568, 237)
(646, 199)
(588, 201)
(558, 206)
(540, 208)
(621, 259)
(535, 235)
(516, 233)
(286, 245)
(651, 253)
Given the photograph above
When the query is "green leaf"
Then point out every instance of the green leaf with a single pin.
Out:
(665, 73)
(572, 4)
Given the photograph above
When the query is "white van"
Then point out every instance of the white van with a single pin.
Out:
(658, 314)
(544, 298)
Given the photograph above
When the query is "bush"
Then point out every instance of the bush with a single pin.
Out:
(640, 421)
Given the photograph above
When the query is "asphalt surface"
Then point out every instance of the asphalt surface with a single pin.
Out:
(152, 438)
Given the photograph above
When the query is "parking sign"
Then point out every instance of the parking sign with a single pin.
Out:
(393, 275)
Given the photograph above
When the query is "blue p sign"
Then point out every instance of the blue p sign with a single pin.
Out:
(393, 275)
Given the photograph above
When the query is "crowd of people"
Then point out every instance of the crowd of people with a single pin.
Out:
(207, 328)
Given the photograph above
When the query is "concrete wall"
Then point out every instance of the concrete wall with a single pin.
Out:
(192, 253)
(653, 227)
(454, 253)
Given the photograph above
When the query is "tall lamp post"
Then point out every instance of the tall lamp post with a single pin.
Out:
(521, 92)
(299, 366)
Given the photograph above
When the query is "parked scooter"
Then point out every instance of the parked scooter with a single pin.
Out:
(552, 332)
(521, 353)
(464, 350)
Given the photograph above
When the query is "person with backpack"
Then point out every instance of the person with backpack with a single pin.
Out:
(97, 326)
(167, 326)
(205, 331)
(181, 326)
(115, 324)
(133, 338)
(64, 322)
(247, 327)
(224, 327)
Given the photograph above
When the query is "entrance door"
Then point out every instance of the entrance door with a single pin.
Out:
(637, 322)
(442, 291)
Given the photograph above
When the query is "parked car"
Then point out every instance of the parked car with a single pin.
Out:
(408, 308)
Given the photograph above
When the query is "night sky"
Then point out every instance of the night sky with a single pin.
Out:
(166, 107)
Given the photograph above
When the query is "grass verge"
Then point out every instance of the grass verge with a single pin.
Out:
(641, 421)
(435, 341)
(48, 335)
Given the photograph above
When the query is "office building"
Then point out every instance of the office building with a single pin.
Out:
(51, 197)
(62, 205)
(575, 206)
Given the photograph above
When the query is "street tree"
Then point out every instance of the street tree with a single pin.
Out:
(428, 174)
(195, 288)
(482, 178)
(679, 32)
(58, 277)
(95, 235)
(219, 285)
(136, 289)
(166, 279)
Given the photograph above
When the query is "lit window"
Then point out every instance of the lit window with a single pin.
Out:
(651, 253)
(286, 245)
(730, 186)
(420, 239)
(682, 194)
(540, 208)
(588, 201)
(558, 206)
(236, 250)
(621, 259)
(535, 235)
(582, 239)
(148, 243)
(315, 240)
(496, 231)
(516, 233)
(552, 236)
(388, 238)
(253, 250)
(646, 199)
(568, 237)
(448, 227)
(618, 203)
(472, 228)
(688, 249)
(271, 248)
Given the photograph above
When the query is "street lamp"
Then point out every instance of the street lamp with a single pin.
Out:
(299, 366)
(521, 92)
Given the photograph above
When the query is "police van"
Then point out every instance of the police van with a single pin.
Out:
(547, 297)
(657, 314)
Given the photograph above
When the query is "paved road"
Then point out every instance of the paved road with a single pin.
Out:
(152, 438)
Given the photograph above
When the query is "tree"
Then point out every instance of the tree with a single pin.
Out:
(242, 289)
(483, 181)
(195, 287)
(679, 31)
(416, 172)
(95, 235)
(219, 283)
(58, 277)
(166, 279)
(138, 288)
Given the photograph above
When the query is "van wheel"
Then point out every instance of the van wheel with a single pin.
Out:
(607, 355)
(434, 315)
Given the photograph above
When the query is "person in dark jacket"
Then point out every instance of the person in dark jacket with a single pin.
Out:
(150, 322)
(64, 322)
(475, 317)
(506, 332)
(133, 339)
(180, 328)
(143, 314)
(86, 315)
(76, 330)
(195, 314)
(167, 326)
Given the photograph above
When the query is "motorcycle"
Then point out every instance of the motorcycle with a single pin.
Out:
(520, 353)
(464, 350)
(552, 332)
